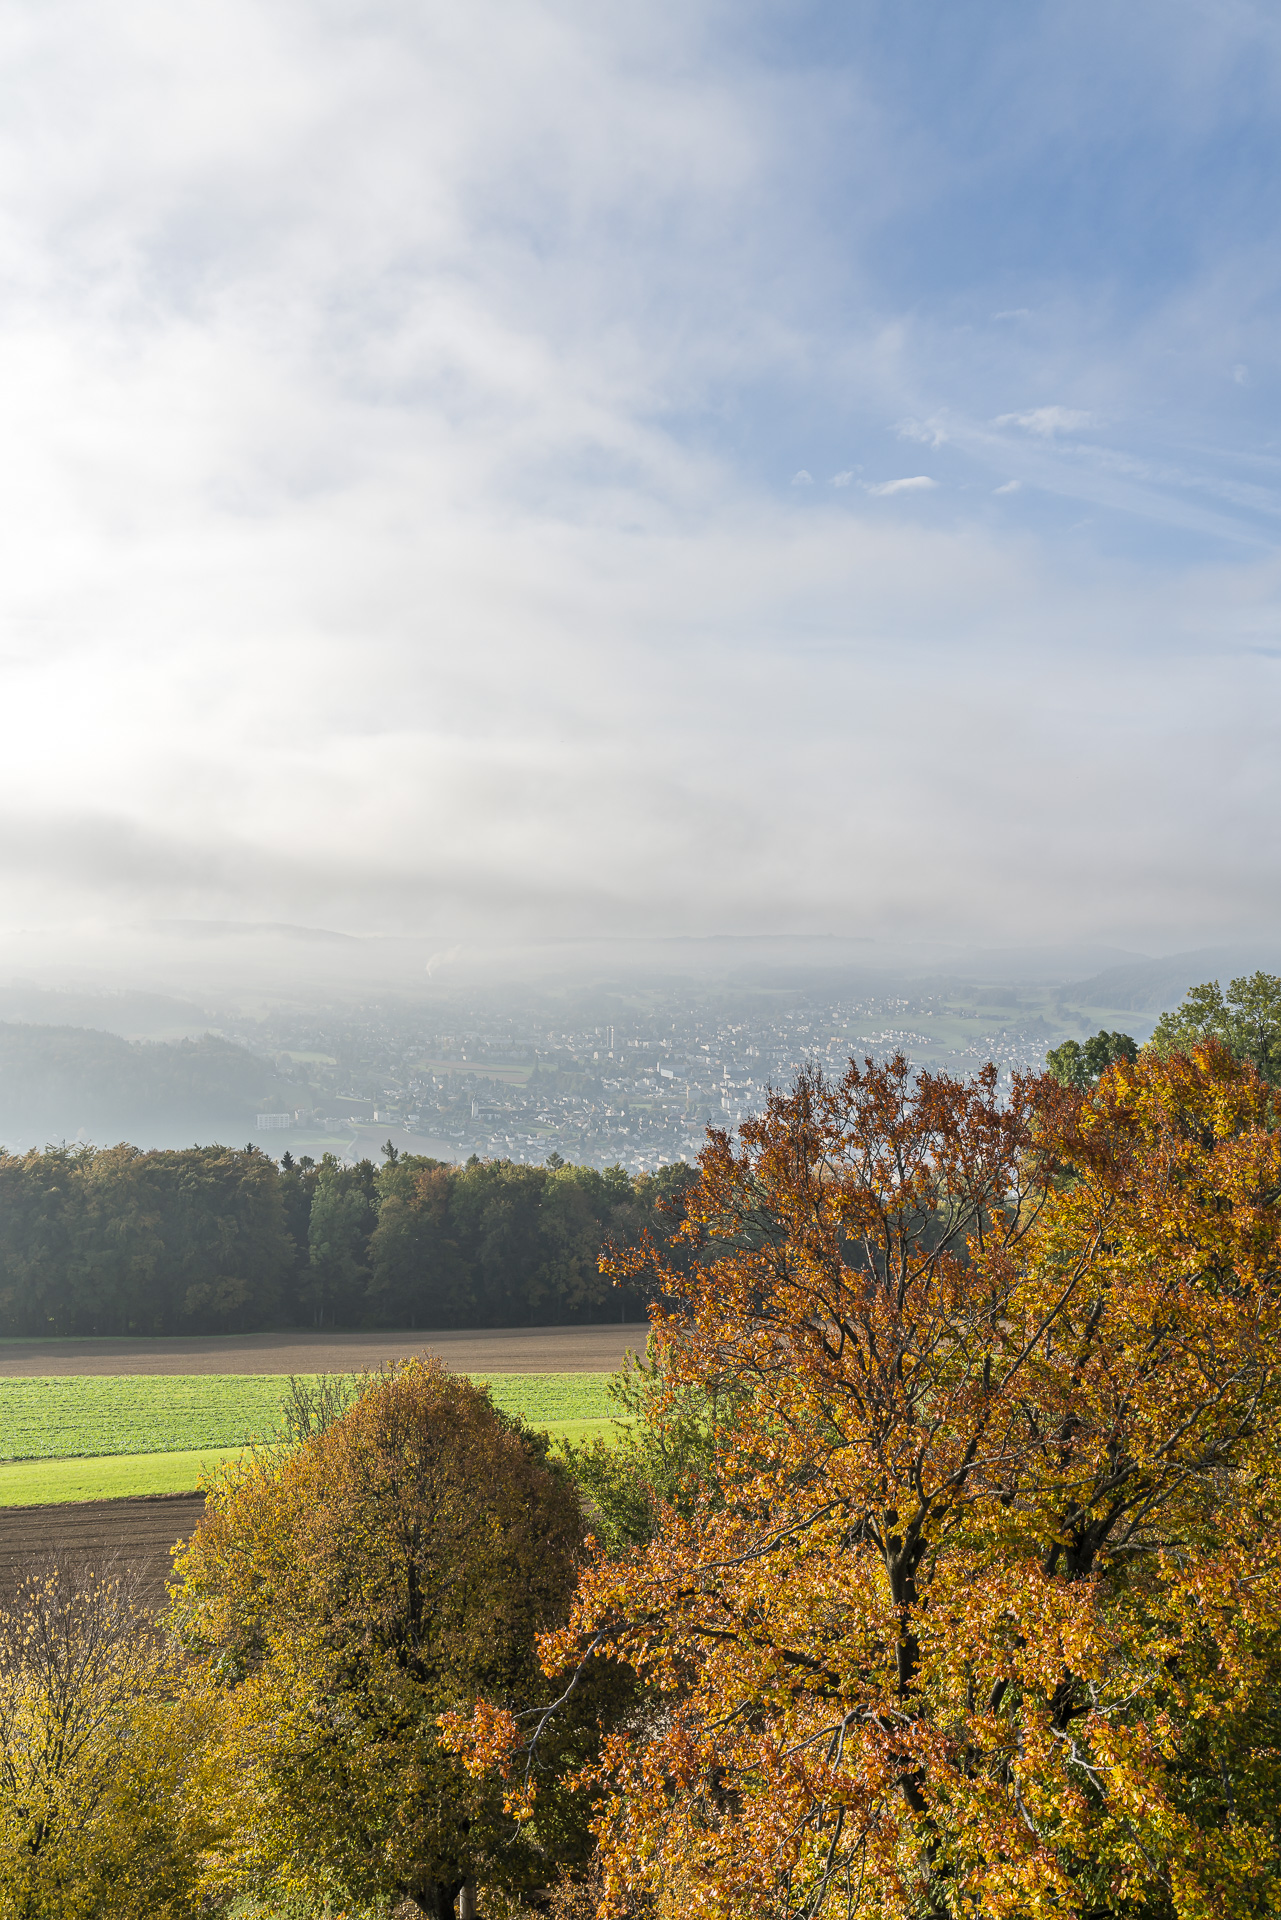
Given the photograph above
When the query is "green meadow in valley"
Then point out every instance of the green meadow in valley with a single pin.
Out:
(67, 1416)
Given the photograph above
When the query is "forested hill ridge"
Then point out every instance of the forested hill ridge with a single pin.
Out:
(210, 1239)
(60, 1083)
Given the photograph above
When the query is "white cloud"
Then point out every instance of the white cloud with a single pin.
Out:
(1241, 375)
(802, 479)
(918, 483)
(355, 546)
(1013, 313)
(1011, 486)
(929, 433)
(1048, 421)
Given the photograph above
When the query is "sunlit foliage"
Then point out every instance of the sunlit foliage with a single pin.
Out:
(104, 1805)
(977, 1610)
(1246, 1019)
(342, 1594)
(1080, 1063)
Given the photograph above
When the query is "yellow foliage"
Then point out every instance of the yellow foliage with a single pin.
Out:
(104, 1807)
(341, 1596)
(978, 1611)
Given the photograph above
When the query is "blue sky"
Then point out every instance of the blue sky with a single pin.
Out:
(1040, 241)
(528, 467)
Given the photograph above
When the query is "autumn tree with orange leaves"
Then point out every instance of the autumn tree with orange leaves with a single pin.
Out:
(976, 1610)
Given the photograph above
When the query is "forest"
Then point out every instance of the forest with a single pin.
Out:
(933, 1572)
(213, 1239)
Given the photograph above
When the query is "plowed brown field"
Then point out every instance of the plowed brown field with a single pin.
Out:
(141, 1531)
(492, 1350)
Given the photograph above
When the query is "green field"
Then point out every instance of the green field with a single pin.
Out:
(70, 1416)
(46, 1483)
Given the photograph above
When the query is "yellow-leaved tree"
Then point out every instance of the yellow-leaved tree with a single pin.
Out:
(975, 1609)
(339, 1596)
(104, 1805)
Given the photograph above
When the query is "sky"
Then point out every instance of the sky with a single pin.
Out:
(520, 469)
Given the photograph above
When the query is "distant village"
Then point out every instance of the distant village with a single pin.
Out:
(639, 1090)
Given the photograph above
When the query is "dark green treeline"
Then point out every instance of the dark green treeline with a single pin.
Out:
(210, 1240)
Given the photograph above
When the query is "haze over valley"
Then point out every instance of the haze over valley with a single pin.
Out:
(539, 1052)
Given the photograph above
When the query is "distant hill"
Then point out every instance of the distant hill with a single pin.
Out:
(134, 1014)
(1153, 985)
(64, 1083)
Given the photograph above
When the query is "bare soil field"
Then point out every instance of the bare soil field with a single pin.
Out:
(491, 1350)
(140, 1530)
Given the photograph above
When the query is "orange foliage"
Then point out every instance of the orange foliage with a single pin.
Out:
(977, 1611)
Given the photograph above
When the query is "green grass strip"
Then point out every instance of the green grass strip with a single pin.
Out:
(64, 1416)
(45, 1483)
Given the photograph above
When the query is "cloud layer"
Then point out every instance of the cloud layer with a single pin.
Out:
(408, 415)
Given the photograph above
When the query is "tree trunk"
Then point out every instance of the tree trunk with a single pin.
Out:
(436, 1898)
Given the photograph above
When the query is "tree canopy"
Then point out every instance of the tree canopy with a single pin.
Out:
(345, 1593)
(975, 1609)
(104, 1807)
(206, 1239)
(1247, 1019)
(1079, 1063)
